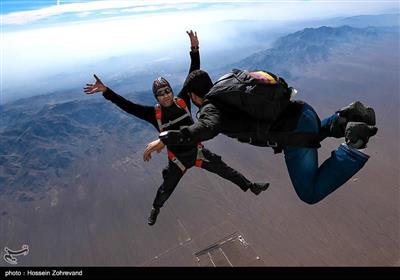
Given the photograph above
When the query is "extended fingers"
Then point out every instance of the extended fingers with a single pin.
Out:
(147, 156)
(147, 152)
(90, 90)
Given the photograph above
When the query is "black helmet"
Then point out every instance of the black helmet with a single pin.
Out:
(158, 83)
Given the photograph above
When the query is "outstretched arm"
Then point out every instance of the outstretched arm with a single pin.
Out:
(194, 63)
(194, 54)
(143, 112)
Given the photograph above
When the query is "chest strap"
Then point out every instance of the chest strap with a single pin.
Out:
(171, 156)
(165, 125)
(180, 103)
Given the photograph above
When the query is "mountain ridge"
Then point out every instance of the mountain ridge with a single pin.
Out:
(310, 45)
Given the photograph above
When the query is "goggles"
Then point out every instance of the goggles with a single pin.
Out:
(163, 91)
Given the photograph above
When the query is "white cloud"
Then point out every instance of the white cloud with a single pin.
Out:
(38, 14)
(162, 59)
(107, 7)
(30, 16)
(54, 49)
(84, 14)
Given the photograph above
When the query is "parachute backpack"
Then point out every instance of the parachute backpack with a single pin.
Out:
(260, 94)
(263, 96)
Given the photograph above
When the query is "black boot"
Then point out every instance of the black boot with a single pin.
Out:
(257, 188)
(153, 216)
(357, 134)
(355, 112)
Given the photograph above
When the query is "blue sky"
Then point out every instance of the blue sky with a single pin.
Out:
(42, 37)
(18, 13)
(82, 22)
(25, 5)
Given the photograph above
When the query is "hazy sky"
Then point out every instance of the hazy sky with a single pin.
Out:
(48, 36)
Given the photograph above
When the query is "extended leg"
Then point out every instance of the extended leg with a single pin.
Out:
(313, 183)
(215, 164)
(171, 175)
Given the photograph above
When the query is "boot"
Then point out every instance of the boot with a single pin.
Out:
(257, 188)
(355, 112)
(357, 134)
(153, 216)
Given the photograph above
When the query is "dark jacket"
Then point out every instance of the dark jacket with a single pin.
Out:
(147, 113)
(213, 119)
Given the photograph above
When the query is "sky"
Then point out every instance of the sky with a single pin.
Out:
(42, 37)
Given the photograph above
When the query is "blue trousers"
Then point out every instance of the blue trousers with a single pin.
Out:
(313, 183)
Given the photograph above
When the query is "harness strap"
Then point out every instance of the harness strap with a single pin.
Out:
(181, 104)
(200, 156)
(158, 111)
(171, 156)
(178, 102)
(175, 160)
(163, 126)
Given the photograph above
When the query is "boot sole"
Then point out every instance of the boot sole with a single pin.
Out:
(367, 114)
